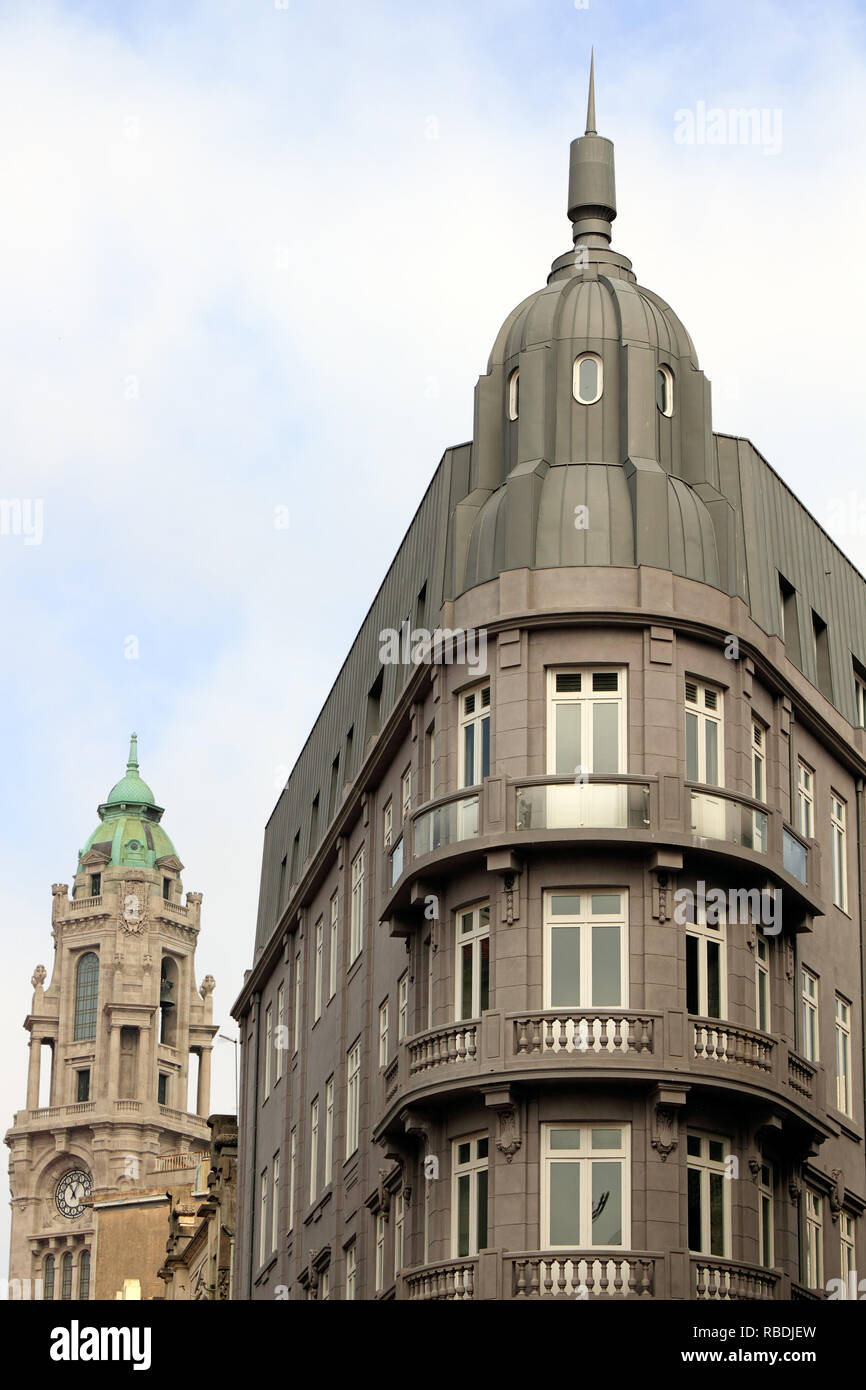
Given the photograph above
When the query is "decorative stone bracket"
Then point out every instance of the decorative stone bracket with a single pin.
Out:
(508, 1136)
(666, 1102)
(506, 863)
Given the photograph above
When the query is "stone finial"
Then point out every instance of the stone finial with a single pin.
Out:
(37, 979)
(59, 894)
(207, 986)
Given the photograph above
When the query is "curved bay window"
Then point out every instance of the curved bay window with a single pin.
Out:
(86, 996)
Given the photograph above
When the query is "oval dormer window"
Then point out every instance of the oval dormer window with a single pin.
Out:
(588, 378)
(514, 394)
(665, 390)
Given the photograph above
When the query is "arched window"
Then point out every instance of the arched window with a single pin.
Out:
(84, 1274)
(665, 390)
(86, 993)
(588, 378)
(48, 1279)
(514, 394)
(66, 1275)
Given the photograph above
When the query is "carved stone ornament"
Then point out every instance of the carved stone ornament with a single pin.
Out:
(38, 978)
(207, 986)
(837, 1194)
(133, 908)
(508, 1138)
(789, 958)
(665, 1134)
(795, 1185)
(755, 1166)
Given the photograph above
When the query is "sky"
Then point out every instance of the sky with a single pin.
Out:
(253, 257)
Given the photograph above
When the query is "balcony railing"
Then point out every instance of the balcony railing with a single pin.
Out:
(720, 817)
(455, 1043)
(728, 1282)
(600, 805)
(443, 825)
(580, 1274)
(794, 856)
(801, 1075)
(563, 1031)
(83, 904)
(717, 1040)
(437, 1283)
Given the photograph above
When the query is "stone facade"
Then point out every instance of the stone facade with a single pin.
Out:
(494, 1044)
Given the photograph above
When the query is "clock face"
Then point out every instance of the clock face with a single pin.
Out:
(71, 1191)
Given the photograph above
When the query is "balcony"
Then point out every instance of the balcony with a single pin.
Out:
(580, 1274)
(794, 855)
(445, 824)
(441, 1283)
(598, 804)
(554, 1032)
(728, 1282)
(717, 816)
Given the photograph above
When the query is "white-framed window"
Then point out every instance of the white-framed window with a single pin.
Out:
(847, 1253)
(813, 1239)
(430, 761)
(353, 1097)
(383, 1034)
(399, 1231)
(269, 1043)
(403, 1006)
(297, 1018)
(585, 1186)
(356, 913)
(324, 1285)
(469, 1158)
(805, 800)
(281, 1029)
(474, 746)
(840, 856)
(380, 1251)
(514, 394)
(586, 721)
(329, 1131)
(843, 1055)
(319, 969)
(665, 390)
(293, 1164)
(759, 778)
(473, 961)
(706, 965)
(704, 729)
(388, 823)
(588, 378)
(275, 1204)
(263, 1216)
(332, 959)
(397, 861)
(809, 1040)
(709, 1216)
(762, 983)
(860, 697)
(351, 1272)
(586, 949)
(765, 1216)
(405, 795)
(314, 1148)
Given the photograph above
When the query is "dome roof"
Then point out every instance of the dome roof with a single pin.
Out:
(129, 831)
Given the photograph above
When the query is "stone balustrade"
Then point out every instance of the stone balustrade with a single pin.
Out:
(730, 1282)
(556, 1031)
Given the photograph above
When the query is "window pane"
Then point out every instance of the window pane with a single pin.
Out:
(607, 1203)
(766, 1229)
(485, 749)
(567, 739)
(691, 747)
(606, 902)
(482, 1209)
(565, 904)
(469, 755)
(484, 992)
(714, 980)
(605, 738)
(717, 1214)
(466, 981)
(463, 1213)
(565, 1138)
(606, 1138)
(694, 1190)
(605, 966)
(587, 379)
(565, 1204)
(712, 743)
(564, 966)
(692, 994)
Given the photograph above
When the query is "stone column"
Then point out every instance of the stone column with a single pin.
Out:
(203, 1097)
(113, 1062)
(33, 1072)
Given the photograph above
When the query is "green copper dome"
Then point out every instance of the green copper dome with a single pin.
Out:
(129, 831)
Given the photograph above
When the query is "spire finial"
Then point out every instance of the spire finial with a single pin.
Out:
(132, 765)
(590, 105)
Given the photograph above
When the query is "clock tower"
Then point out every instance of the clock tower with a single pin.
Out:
(113, 1038)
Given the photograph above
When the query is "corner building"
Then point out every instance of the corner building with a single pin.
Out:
(492, 1049)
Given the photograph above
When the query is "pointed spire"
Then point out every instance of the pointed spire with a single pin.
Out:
(132, 765)
(590, 105)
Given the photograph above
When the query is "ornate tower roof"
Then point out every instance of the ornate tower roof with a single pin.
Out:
(129, 830)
